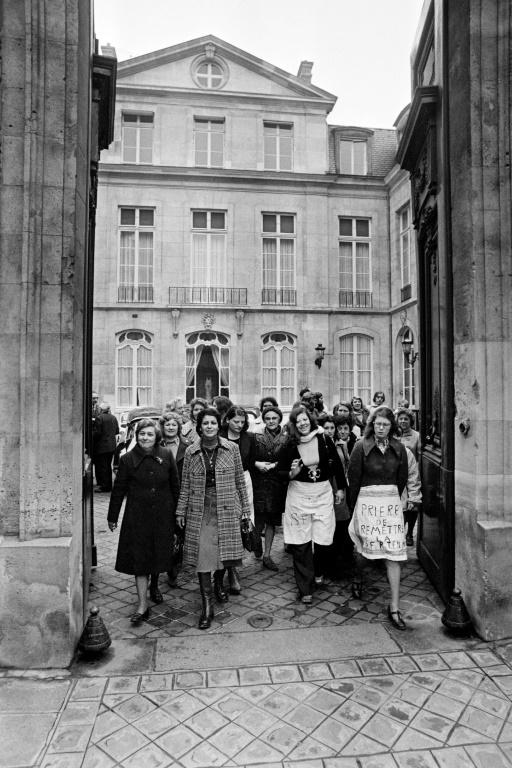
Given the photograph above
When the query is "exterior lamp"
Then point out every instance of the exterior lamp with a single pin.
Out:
(320, 352)
(408, 349)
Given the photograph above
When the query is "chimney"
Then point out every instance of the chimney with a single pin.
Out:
(108, 50)
(305, 71)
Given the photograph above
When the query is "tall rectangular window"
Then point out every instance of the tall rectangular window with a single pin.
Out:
(135, 272)
(278, 147)
(353, 157)
(356, 367)
(405, 245)
(209, 143)
(278, 368)
(208, 263)
(134, 370)
(278, 258)
(355, 262)
(137, 138)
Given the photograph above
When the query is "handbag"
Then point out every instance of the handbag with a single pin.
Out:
(177, 550)
(246, 528)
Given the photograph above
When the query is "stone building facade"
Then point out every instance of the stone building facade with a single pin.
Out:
(237, 230)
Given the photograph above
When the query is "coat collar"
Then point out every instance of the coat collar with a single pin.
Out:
(139, 455)
(369, 443)
(196, 446)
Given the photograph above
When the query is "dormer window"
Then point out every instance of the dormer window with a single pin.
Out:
(353, 150)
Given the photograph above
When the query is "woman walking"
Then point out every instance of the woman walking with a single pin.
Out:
(148, 477)
(308, 462)
(213, 498)
(377, 476)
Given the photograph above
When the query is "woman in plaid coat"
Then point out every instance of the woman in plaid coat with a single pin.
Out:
(212, 500)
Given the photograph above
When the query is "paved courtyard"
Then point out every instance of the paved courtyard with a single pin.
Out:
(272, 684)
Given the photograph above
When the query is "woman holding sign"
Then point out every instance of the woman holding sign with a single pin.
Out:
(308, 462)
(377, 476)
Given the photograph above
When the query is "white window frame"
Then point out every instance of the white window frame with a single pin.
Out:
(405, 245)
(277, 391)
(147, 342)
(352, 171)
(139, 127)
(210, 127)
(209, 75)
(279, 139)
(346, 393)
(210, 233)
(137, 229)
(279, 237)
(354, 239)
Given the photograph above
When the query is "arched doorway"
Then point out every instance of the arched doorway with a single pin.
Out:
(207, 365)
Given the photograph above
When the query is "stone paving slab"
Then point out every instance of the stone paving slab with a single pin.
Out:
(342, 713)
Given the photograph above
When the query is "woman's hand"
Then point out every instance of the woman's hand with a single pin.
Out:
(180, 521)
(340, 496)
(263, 466)
(295, 468)
(112, 526)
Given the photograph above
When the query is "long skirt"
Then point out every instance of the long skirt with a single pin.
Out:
(309, 513)
(377, 526)
(208, 559)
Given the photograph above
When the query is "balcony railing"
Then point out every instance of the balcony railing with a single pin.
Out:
(284, 296)
(205, 295)
(406, 292)
(357, 299)
(135, 294)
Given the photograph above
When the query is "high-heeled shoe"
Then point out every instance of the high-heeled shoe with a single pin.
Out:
(395, 618)
(357, 590)
(137, 618)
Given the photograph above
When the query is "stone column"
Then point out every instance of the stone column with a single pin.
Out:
(45, 102)
(479, 49)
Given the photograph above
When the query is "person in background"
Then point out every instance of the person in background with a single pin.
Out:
(345, 409)
(212, 500)
(222, 405)
(96, 410)
(104, 433)
(235, 427)
(148, 477)
(361, 413)
(319, 403)
(303, 392)
(411, 497)
(170, 428)
(377, 475)
(379, 399)
(308, 400)
(339, 556)
(308, 462)
(265, 402)
(174, 404)
(411, 439)
(403, 403)
(268, 488)
(344, 432)
(188, 430)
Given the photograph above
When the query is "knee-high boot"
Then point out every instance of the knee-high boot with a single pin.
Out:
(205, 585)
(234, 583)
(218, 586)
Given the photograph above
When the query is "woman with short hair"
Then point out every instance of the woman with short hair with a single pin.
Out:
(360, 412)
(148, 477)
(212, 501)
(377, 476)
(308, 462)
(197, 405)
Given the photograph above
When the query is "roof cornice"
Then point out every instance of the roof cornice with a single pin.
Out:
(232, 53)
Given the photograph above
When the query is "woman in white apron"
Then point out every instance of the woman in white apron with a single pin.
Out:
(377, 476)
(308, 462)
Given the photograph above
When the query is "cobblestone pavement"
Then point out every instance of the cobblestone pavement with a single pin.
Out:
(266, 596)
(450, 707)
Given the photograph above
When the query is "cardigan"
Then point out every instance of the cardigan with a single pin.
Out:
(329, 464)
(369, 466)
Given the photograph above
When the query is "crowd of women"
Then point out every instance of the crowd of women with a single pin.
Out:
(343, 484)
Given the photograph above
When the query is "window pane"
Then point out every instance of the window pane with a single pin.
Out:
(285, 154)
(362, 228)
(146, 155)
(129, 118)
(362, 266)
(346, 267)
(269, 128)
(201, 148)
(359, 150)
(346, 227)
(285, 130)
(287, 224)
(217, 260)
(287, 264)
(145, 276)
(203, 69)
(218, 220)
(271, 153)
(146, 119)
(217, 150)
(146, 217)
(199, 259)
(199, 219)
(127, 259)
(269, 223)
(346, 157)
(127, 216)
(215, 70)
(269, 262)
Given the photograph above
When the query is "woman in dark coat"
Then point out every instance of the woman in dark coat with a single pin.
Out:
(269, 489)
(377, 475)
(213, 498)
(309, 461)
(148, 477)
(235, 425)
(171, 426)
